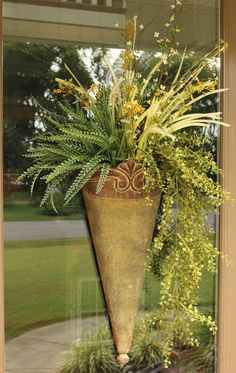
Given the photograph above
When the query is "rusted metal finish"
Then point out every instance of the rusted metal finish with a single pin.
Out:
(121, 223)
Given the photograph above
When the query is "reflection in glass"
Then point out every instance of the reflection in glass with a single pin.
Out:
(51, 279)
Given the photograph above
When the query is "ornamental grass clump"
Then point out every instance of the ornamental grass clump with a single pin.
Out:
(92, 354)
(155, 121)
(96, 353)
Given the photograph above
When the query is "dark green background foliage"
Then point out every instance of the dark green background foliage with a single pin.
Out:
(30, 70)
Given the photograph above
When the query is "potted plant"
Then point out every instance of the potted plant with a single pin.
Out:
(125, 145)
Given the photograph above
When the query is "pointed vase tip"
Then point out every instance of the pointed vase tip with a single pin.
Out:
(122, 359)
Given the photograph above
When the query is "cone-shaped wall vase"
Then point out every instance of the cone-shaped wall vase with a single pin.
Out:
(121, 223)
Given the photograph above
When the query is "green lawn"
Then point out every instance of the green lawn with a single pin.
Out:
(24, 211)
(21, 206)
(52, 280)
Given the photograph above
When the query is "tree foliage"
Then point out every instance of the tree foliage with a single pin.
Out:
(30, 70)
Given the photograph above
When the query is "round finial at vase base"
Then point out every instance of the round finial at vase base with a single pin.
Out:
(122, 359)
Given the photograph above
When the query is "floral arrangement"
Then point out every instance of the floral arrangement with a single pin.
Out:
(152, 120)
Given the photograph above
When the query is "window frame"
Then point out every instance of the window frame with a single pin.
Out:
(227, 233)
(2, 344)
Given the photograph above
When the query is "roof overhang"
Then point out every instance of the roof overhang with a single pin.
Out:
(73, 22)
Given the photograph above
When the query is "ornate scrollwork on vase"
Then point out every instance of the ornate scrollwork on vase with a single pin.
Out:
(124, 181)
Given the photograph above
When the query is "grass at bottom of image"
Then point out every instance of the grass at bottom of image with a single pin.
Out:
(47, 281)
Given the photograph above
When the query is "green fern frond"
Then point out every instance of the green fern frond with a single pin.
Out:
(76, 142)
(65, 167)
(86, 172)
(48, 192)
(79, 117)
(52, 202)
(87, 136)
(51, 188)
(56, 151)
(34, 181)
(103, 117)
(102, 179)
(28, 173)
(34, 170)
(72, 149)
(97, 128)
(35, 154)
(51, 149)
(55, 123)
(87, 139)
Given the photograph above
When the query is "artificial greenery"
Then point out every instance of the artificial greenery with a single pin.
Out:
(141, 118)
(96, 353)
(75, 206)
(184, 244)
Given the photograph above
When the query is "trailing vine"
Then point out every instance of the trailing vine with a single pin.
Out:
(183, 246)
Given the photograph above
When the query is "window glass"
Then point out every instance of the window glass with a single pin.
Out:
(53, 291)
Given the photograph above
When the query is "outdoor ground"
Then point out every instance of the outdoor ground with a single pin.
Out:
(16, 211)
(53, 280)
(23, 207)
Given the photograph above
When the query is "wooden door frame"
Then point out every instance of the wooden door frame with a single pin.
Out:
(227, 239)
(1, 211)
(227, 276)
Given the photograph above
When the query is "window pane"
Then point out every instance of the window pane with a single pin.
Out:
(53, 292)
